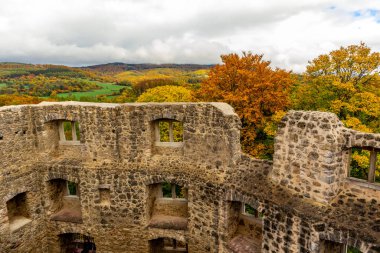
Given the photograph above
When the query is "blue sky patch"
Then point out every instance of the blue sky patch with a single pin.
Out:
(357, 13)
(373, 12)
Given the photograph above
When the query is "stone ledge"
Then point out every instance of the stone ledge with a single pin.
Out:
(169, 144)
(104, 186)
(165, 200)
(18, 222)
(363, 183)
(70, 143)
(68, 215)
(168, 222)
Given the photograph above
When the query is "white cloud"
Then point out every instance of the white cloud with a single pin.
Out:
(289, 33)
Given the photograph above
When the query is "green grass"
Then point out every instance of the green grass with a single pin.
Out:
(2, 85)
(107, 89)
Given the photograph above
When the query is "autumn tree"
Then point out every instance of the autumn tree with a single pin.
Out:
(346, 82)
(166, 93)
(18, 100)
(255, 90)
(131, 93)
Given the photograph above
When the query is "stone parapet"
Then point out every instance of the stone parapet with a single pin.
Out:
(101, 176)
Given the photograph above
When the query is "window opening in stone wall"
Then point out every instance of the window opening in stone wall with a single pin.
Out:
(365, 164)
(71, 242)
(69, 131)
(249, 210)
(1, 136)
(18, 212)
(166, 245)
(168, 131)
(168, 206)
(64, 201)
(336, 247)
(104, 195)
(174, 245)
(72, 188)
(352, 250)
(245, 225)
(332, 247)
(173, 191)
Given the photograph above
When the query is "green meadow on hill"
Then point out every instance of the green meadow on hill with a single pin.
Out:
(102, 83)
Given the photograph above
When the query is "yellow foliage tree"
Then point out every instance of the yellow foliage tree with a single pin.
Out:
(166, 93)
(346, 82)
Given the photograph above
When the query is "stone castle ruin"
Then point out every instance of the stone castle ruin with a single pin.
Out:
(115, 178)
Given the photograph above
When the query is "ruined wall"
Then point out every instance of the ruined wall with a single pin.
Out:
(309, 154)
(117, 165)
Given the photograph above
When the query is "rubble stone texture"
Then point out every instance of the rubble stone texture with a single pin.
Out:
(306, 199)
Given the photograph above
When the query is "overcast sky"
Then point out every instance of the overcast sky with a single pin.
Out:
(84, 32)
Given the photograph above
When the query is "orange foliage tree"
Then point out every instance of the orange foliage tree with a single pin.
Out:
(255, 90)
(18, 100)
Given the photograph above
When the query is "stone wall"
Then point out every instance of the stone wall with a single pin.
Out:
(302, 194)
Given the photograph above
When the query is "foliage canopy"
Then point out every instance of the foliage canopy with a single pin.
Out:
(345, 81)
(167, 93)
(255, 90)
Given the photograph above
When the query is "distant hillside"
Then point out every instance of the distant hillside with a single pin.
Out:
(118, 67)
(14, 70)
(102, 83)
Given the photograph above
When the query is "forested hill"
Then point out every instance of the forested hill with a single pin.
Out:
(117, 67)
(15, 70)
(113, 82)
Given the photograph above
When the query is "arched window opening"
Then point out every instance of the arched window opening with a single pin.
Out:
(245, 224)
(64, 201)
(168, 206)
(78, 243)
(18, 211)
(167, 245)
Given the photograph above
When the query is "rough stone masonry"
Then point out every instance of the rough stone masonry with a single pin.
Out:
(73, 172)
